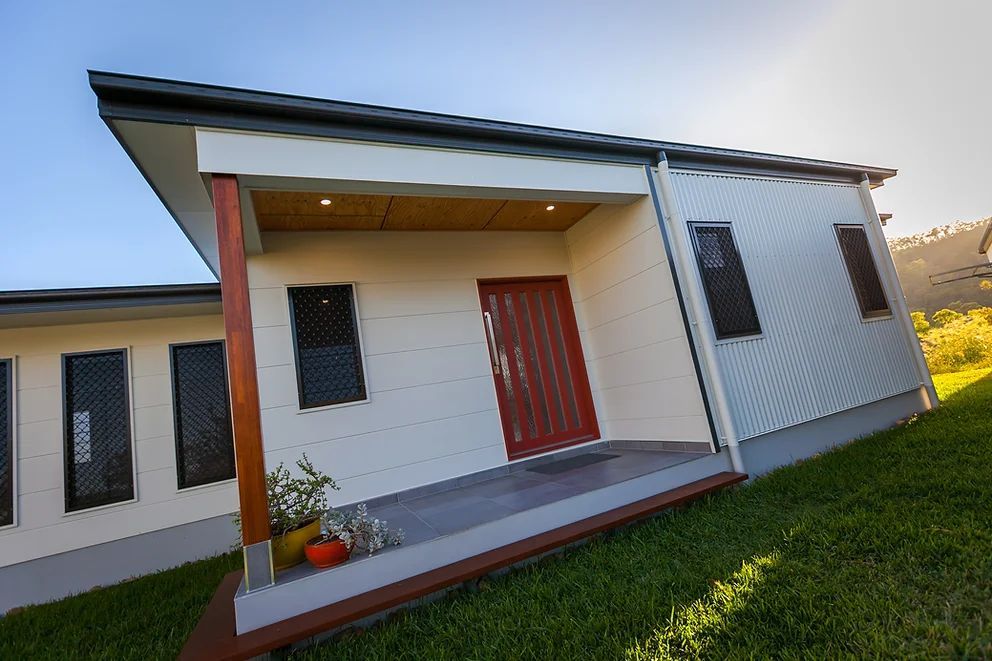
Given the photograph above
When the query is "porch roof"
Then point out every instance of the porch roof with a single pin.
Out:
(179, 133)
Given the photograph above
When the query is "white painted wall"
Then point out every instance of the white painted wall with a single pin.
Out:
(432, 413)
(638, 357)
(42, 527)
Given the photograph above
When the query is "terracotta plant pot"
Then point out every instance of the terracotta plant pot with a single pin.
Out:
(323, 552)
(288, 549)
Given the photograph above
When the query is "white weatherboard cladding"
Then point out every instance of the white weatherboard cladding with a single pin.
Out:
(43, 528)
(816, 355)
(432, 411)
(644, 382)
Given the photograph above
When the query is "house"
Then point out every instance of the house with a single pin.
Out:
(421, 303)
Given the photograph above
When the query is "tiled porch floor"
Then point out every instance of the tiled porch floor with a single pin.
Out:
(429, 517)
(457, 535)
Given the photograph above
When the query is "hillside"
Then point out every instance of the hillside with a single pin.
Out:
(940, 249)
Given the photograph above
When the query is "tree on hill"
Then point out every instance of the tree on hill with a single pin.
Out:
(941, 249)
(953, 341)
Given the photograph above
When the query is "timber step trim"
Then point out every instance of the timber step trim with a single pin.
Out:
(214, 637)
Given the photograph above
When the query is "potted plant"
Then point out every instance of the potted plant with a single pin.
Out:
(357, 530)
(296, 505)
(326, 549)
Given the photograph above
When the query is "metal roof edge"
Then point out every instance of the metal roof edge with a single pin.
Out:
(92, 298)
(143, 98)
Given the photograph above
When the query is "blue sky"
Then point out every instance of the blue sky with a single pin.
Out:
(885, 83)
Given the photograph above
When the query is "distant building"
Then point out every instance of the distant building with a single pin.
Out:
(980, 270)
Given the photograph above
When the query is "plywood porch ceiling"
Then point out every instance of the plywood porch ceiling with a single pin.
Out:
(286, 211)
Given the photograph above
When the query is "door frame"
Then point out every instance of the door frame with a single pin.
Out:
(579, 375)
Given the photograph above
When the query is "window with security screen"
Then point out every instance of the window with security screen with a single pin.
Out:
(325, 338)
(98, 459)
(204, 437)
(6, 444)
(722, 271)
(861, 268)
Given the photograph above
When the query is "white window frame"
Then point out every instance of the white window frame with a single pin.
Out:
(12, 430)
(850, 280)
(361, 346)
(130, 414)
(172, 403)
(698, 274)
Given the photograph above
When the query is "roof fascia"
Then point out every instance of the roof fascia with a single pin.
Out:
(61, 300)
(176, 102)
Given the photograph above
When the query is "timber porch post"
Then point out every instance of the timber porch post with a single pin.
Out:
(243, 377)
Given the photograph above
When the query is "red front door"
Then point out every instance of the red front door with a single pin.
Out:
(540, 373)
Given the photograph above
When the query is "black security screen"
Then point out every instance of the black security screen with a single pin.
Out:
(204, 438)
(98, 469)
(861, 268)
(727, 289)
(6, 445)
(325, 336)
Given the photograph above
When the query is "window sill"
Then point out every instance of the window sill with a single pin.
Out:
(201, 487)
(871, 320)
(742, 338)
(328, 407)
(98, 508)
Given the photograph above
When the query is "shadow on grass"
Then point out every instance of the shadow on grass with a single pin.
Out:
(878, 548)
(894, 566)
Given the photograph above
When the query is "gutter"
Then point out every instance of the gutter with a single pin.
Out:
(95, 298)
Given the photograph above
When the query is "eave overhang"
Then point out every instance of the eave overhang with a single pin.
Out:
(144, 99)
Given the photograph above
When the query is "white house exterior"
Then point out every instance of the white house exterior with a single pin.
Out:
(724, 302)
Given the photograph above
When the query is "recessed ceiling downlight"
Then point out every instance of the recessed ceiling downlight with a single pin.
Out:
(550, 207)
(325, 202)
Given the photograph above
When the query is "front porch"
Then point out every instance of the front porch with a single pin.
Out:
(443, 350)
(456, 532)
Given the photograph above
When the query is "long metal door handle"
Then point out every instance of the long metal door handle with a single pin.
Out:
(492, 341)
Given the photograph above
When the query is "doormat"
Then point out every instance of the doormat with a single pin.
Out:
(555, 467)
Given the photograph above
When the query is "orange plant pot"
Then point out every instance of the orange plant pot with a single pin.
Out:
(326, 553)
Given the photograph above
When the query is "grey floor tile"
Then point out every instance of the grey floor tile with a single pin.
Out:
(588, 480)
(501, 486)
(542, 494)
(414, 528)
(463, 514)
(443, 500)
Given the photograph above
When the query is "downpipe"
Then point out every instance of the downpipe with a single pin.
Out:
(672, 225)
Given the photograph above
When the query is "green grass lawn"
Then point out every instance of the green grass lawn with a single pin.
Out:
(882, 548)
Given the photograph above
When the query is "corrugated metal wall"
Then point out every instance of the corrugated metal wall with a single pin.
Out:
(816, 356)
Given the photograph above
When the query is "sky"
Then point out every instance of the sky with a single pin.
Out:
(901, 84)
